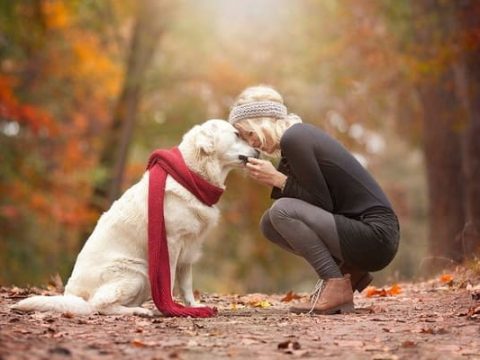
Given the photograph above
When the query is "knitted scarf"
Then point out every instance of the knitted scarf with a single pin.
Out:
(161, 163)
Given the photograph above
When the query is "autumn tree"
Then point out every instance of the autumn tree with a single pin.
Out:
(85, 96)
(58, 76)
(467, 80)
(150, 22)
(438, 48)
(434, 33)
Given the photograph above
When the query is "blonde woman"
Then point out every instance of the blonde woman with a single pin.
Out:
(328, 209)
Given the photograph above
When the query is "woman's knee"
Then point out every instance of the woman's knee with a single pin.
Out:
(266, 226)
(265, 223)
(272, 234)
(280, 210)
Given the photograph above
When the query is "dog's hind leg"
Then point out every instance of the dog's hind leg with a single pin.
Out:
(121, 297)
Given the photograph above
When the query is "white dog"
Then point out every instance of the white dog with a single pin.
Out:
(111, 271)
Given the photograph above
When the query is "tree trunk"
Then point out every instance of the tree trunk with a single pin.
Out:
(443, 159)
(147, 31)
(468, 80)
(434, 25)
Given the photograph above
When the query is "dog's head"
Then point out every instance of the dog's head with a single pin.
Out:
(219, 141)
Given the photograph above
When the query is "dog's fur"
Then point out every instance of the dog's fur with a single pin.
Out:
(110, 275)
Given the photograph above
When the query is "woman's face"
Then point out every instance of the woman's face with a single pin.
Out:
(253, 140)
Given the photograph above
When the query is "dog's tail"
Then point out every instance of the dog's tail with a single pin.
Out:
(60, 303)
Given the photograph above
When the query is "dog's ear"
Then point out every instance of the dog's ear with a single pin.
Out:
(205, 142)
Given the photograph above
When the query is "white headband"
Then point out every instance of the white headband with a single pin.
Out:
(257, 109)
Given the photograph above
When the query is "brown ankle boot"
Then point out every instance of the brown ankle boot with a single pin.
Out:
(360, 279)
(335, 296)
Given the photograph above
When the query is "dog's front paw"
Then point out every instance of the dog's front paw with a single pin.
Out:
(192, 303)
(142, 312)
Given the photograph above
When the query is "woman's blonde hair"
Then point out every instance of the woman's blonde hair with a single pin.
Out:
(264, 127)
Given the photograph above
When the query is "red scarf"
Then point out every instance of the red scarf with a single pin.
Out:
(161, 163)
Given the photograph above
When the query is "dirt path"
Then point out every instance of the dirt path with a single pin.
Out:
(430, 320)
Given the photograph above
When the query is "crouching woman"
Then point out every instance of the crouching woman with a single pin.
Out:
(328, 209)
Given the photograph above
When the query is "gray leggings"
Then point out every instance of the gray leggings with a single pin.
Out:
(305, 230)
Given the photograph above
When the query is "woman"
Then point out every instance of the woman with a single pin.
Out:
(328, 209)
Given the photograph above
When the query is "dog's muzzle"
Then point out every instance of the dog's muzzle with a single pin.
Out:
(244, 158)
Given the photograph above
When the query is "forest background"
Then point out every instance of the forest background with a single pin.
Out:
(89, 88)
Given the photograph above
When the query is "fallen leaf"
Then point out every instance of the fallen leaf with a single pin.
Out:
(446, 279)
(17, 293)
(138, 343)
(433, 331)
(174, 355)
(373, 309)
(371, 347)
(289, 345)
(372, 291)
(55, 284)
(68, 315)
(260, 304)
(394, 290)
(235, 306)
(60, 351)
(473, 312)
(290, 296)
(60, 334)
(408, 344)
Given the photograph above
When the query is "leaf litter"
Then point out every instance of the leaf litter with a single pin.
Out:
(408, 320)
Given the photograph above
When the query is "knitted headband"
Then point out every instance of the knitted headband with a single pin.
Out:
(257, 109)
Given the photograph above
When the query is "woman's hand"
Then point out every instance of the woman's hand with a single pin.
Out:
(265, 173)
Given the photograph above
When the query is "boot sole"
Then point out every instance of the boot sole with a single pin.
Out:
(342, 309)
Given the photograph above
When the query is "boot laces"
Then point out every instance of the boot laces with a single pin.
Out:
(315, 294)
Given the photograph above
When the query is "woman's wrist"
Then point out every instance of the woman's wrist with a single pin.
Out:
(280, 181)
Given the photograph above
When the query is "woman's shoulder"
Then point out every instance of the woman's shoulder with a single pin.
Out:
(300, 134)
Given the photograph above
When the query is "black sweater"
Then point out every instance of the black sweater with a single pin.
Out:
(322, 172)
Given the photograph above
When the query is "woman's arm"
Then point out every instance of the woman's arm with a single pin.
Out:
(265, 173)
(298, 145)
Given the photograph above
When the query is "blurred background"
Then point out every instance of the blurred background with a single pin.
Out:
(89, 88)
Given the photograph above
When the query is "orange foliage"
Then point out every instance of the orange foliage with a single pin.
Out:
(372, 291)
(33, 117)
(290, 296)
(446, 279)
(56, 14)
(92, 63)
(76, 78)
